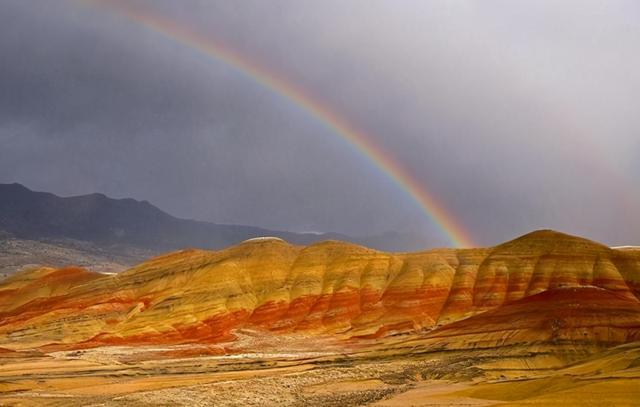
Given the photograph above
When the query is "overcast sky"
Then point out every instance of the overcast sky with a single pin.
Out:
(516, 115)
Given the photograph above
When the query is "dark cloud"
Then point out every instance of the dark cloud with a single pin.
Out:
(516, 117)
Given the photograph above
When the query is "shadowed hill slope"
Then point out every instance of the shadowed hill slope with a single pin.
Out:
(333, 288)
(576, 314)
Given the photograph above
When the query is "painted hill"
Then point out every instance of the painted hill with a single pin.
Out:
(539, 287)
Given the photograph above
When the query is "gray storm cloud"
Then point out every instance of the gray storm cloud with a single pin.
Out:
(515, 116)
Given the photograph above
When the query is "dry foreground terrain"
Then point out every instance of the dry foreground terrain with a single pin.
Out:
(545, 319)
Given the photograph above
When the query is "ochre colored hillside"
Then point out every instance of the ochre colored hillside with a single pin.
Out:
(333, 288)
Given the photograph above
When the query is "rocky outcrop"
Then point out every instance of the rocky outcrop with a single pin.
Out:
(331, 288)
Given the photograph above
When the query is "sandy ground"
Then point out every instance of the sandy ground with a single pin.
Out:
(434, 393)
(155, 376)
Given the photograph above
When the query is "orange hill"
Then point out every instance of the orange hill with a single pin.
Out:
(334, 288)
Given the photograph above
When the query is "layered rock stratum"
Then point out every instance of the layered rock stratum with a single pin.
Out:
(541, 287)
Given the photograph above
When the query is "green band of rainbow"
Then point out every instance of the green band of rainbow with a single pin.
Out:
(434, 210)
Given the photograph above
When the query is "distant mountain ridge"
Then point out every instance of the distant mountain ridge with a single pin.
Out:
(101, 220)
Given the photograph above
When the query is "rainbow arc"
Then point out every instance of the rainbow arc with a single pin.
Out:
(359, 140)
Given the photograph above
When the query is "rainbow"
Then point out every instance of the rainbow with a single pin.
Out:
(359, 140)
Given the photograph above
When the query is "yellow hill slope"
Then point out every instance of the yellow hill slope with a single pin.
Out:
(332, 287)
